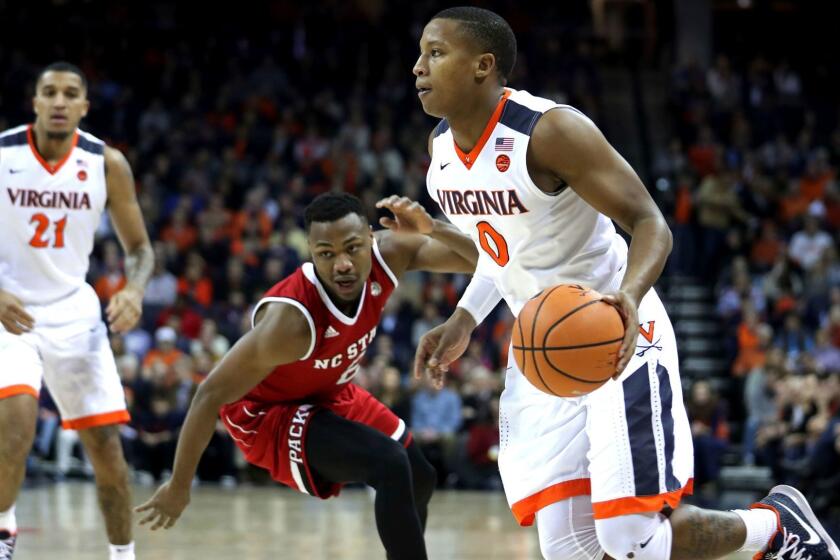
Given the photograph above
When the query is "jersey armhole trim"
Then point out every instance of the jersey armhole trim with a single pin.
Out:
(302, 309)
(384, 265)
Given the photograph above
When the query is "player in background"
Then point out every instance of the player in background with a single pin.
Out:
(56, 182)
(537, 186)
(285, 389)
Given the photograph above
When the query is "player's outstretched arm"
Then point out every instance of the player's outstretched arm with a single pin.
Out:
(438, 247)
(567, 147)
(281, 336)
(416, 241)
(124, 309)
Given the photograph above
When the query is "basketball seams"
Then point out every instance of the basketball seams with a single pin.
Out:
(545, 340)
(575, 347)
(533, 330)
(522, 338)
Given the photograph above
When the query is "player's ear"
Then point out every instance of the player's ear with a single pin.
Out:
(485, 65)
(86, 108)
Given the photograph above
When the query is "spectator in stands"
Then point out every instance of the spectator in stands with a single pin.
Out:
(210, 342)
(157, 431)
(477, 468)
(179, 231)
(826, 355)
(794, 339)
(760, 401)
(718, 209)
(754, 339)
(767, 247)
(111, 279)
(164, 353)
(194, 283)
(392, 394)
(709, 430)
(808, 245)
(427, 321)
(182, 314)
(163, 286)
(435, 419)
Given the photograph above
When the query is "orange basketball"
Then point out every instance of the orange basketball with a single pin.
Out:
(566, 340)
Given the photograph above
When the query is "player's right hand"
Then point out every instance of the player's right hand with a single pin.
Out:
(442, 345)
(13, 316)
(409, 216)
(165, 507)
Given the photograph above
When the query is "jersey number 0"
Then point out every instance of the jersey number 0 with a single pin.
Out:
(493, 243)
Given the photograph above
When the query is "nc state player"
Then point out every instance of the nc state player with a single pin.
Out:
(285, 390)
(57, 181)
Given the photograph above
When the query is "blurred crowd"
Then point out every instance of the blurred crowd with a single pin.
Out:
(751, 177)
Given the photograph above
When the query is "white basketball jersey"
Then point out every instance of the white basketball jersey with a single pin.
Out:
(528, 240)
(48, 215)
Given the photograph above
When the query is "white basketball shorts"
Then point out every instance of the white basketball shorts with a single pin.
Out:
(69, 350)
(627, 444)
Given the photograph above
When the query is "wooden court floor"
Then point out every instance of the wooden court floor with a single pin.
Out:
(61, 521)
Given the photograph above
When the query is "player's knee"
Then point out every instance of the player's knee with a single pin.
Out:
(15, 445)
(643, 536)
(566, 531)
(569, 547)
(105, 451)
(425, 479)
(18, 416)
(390, 462)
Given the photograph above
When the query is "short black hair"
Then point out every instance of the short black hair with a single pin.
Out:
(490, 31)
(62, 66)
(332, 206)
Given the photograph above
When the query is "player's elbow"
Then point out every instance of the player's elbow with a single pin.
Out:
(654, 226)
(668, 237)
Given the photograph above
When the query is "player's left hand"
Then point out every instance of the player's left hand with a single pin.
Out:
(628, 307)
(165, 507)
(409, 216)
(125, 308)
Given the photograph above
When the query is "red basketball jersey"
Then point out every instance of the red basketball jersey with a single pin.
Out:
(338, 342)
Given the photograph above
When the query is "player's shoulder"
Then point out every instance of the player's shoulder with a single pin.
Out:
(390, 248)
(441, 128)
(294, 291)
(17, 136)
(89, 143)
(524, 111)
(522, 98)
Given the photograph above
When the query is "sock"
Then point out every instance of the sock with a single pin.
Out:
(8, 522)
(122, 551)
(761, 524)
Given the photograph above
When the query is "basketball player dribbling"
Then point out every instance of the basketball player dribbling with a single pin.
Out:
(536, 185)
(285, 388)
(56, 182)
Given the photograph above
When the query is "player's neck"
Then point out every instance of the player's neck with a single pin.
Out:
(349, 308)
(52, 148)
(468, 125)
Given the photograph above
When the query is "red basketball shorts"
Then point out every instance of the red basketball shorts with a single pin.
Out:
(273, 435)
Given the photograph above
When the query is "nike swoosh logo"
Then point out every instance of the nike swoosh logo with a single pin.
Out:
(443, 165)
(644, 544)
(13, 171)
(813, 537)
